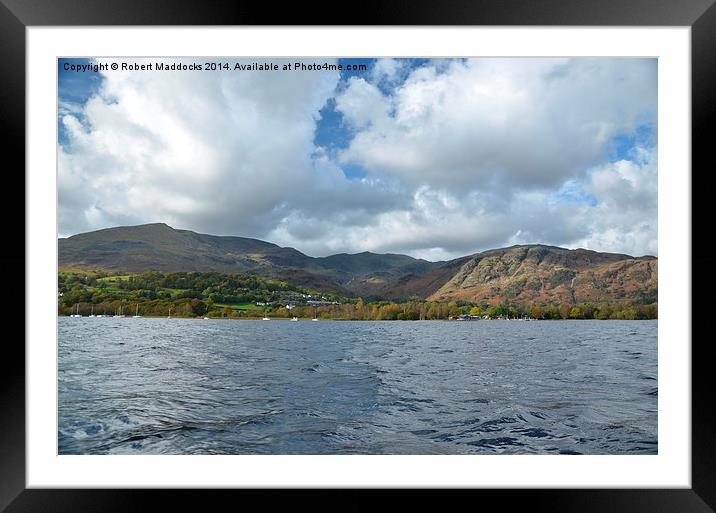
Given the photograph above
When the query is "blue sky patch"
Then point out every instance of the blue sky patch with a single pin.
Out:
(73, 90)
(622, 146)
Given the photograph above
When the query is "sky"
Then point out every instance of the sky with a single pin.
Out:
(431, 158)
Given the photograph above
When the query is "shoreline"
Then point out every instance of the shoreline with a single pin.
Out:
(306, 319)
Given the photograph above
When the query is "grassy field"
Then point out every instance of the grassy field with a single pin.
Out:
(238, 306)
(114, 278)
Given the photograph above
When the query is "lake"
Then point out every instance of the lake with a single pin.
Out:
(191, 386)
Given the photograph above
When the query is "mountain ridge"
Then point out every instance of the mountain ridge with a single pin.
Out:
(536, 273)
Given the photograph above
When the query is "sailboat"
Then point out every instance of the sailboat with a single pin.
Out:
(170, 313)
(136, 312)
(119, 312)
(77, 314)
(265, 317)
(315, 317)
(295, 319)
(92, 312)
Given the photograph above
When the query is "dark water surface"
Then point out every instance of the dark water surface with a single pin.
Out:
(173, 386)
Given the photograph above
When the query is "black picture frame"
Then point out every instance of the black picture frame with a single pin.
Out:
(700, 15)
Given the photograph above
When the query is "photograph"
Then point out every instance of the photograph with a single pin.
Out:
(415, 248)
(357, 256)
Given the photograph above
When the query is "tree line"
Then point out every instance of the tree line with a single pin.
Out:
(154, 288)
(410, 311)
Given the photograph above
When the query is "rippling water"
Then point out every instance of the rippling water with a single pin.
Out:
(174, 386)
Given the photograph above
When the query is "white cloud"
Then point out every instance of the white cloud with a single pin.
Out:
(388, 71)
(461, 156)
(625, 218)
(223, 152)
(363, 105)
(513, 123)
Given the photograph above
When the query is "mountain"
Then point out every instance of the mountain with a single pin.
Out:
(521, 274)
(372, 274)
(540, 274)
(159, 247)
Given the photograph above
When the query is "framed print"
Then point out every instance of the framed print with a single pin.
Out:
(368, 186)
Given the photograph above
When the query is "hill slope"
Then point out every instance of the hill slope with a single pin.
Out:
(540, 274)
(520, 274)
(159, 247)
